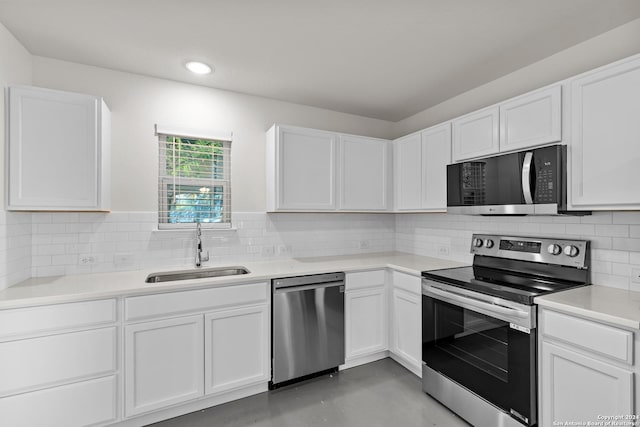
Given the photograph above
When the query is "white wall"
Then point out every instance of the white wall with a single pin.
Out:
(15, 228)
(138, 102)
(608, 47)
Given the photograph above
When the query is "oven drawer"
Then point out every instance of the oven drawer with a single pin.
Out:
(607, 341)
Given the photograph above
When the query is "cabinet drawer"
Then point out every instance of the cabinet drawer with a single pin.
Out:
(364, 279)
(41, 362)
(198, 300)
(407, 282)
(601, 339)
(81, 404)
(33, 320)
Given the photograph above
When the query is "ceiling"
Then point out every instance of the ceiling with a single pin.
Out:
(383, 59)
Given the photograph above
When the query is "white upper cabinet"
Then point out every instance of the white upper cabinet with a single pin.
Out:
(531, 119)
(303, 173)
(59, 151)
(301, 168)
(407, 157)
(528, 120)
(436, 155)
(605, 131)
(420, 167)
(476, 134)
(364, 173)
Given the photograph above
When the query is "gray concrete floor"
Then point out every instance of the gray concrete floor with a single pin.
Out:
(380, 394)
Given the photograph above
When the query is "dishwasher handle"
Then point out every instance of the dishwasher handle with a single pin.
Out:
(288, 289)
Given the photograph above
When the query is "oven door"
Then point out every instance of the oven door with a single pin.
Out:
(484, 352)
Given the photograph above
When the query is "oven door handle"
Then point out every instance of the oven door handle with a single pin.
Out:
(508, 311)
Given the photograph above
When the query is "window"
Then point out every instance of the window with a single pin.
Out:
(194, 181)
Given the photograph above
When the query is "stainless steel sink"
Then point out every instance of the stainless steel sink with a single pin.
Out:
(170, 276)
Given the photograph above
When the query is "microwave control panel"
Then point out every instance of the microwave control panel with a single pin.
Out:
(547, 177)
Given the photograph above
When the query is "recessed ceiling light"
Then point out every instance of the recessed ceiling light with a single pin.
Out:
(198, 67)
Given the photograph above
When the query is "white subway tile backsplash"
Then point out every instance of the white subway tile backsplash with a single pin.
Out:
(614, 237)
(44, 244)
(626, 244)
(597, 218)
(620, 282)
(41, 260)
(601, 267)
(581, 229)
(256, 236)
(609, 255)
(612, 230)
(626, 217)
(621, 269)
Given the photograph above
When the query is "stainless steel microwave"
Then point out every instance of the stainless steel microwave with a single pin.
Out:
(532, 182)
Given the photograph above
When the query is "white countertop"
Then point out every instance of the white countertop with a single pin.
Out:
(49, 290)
(611, 305)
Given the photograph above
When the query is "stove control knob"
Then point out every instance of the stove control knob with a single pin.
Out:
(571, 251)
(554, 249)
(477, 243)
(488, 243)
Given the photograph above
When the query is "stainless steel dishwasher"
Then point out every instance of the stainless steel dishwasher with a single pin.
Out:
(308, 327)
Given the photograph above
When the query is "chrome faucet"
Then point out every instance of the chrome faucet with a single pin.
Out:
(199, 256)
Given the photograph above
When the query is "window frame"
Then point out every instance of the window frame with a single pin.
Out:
(165, 180)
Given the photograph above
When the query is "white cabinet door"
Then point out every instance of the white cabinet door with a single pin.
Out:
(58, 150)
(236, 348)
(605, 135)
(577, 388)
(69, 357)
(364, 173)
(164, 363)
(407, 170)
(365, 322)
(305, 169)
(406, 333)
(531, 119)
(476, 134)
(79, 404)
(436, 155)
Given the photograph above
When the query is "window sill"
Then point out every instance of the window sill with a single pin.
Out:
(191, 230)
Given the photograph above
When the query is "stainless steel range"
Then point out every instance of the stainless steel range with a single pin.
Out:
(479, 325)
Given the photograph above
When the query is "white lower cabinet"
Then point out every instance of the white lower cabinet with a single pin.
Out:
(586, 371)
(59, 365)
(406, 321)
(215, 351)
(165, 363)
(366, 314)
(85, 403)
(236, 348)
(366, 322)
(406, 333)
(581, 389)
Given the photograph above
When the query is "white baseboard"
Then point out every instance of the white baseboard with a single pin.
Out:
(415, 369)
(175, 411)
(362, 360)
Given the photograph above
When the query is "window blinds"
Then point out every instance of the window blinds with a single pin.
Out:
(194, 182)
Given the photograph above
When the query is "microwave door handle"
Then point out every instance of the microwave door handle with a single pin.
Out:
(526, 178)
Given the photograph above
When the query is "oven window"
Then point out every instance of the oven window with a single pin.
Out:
(474, 338)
